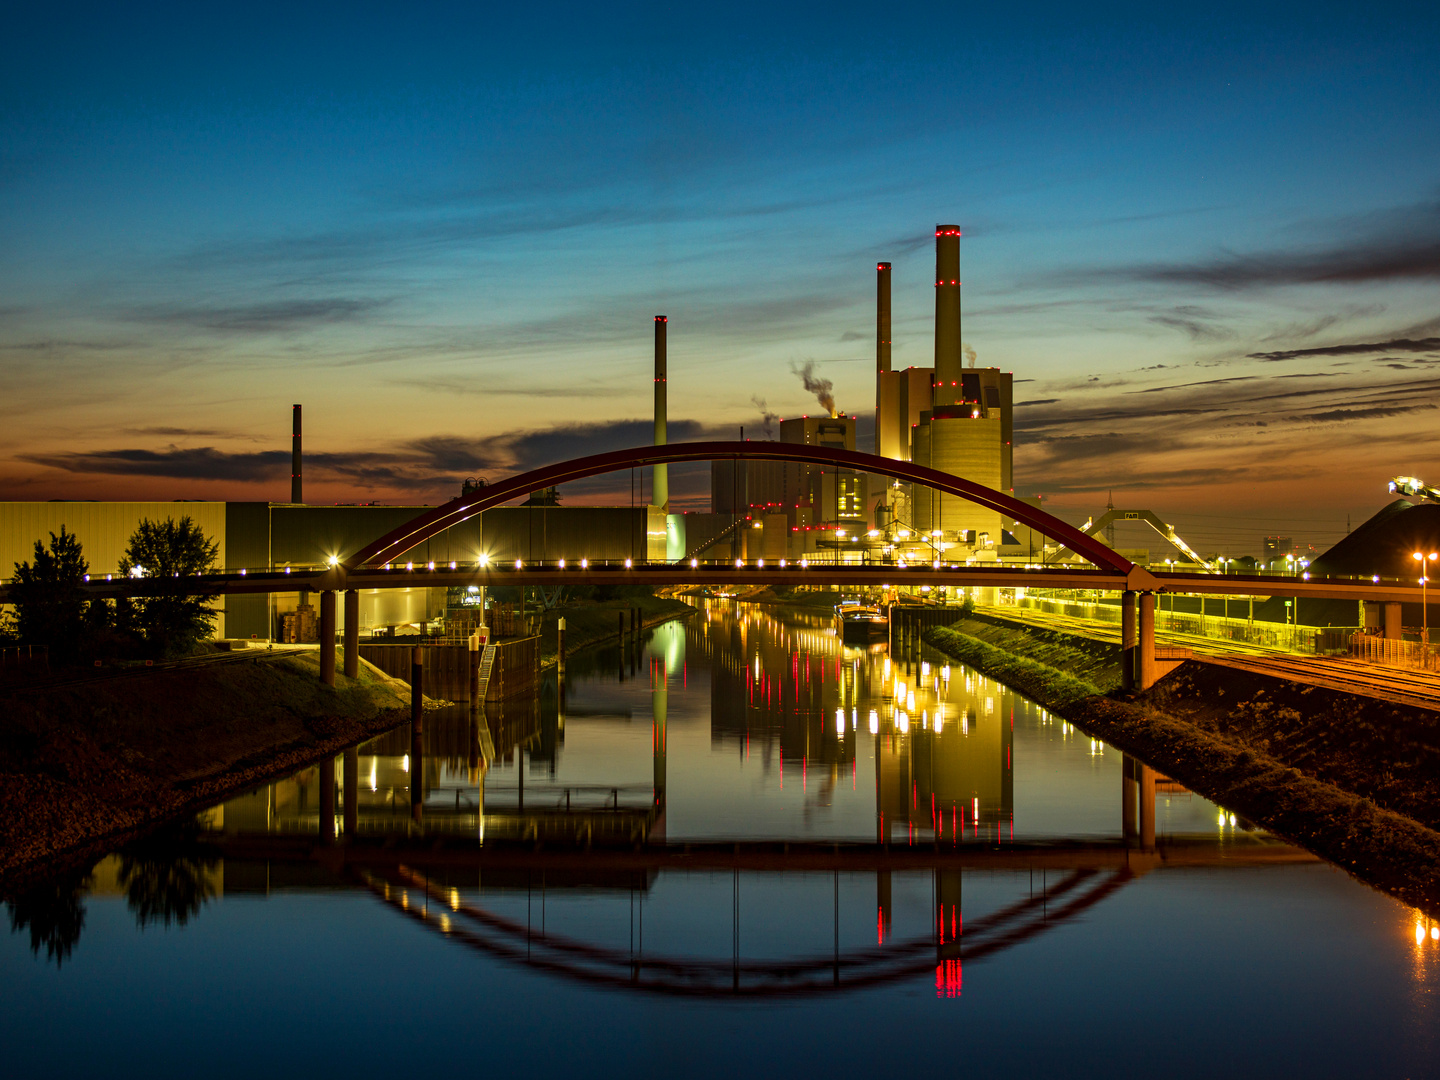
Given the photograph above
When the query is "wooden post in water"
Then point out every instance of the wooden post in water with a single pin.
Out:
(474, 656)
(417, 690)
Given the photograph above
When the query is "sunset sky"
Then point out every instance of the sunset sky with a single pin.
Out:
(1207, 242)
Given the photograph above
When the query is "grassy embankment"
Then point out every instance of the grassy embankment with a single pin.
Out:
(83, 765)
(1355, 780)
(588, 624)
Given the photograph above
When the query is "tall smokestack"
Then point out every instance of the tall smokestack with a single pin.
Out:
(296, 494)
(660, 482)
(882, 317)
(948, 358)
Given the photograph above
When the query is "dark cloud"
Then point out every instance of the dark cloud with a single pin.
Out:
(489, 388)
(1192, 327)
(853, 335)
(1419, 345)
(1330, 416)
(1401, 258)
(198, 463)
(1038, 401)
(277, 316)
(1188, 386)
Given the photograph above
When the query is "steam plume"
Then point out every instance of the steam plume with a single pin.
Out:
(823, 389)
(969, 354)
(767, 418)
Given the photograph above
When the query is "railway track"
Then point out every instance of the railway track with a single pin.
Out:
(1420, 689)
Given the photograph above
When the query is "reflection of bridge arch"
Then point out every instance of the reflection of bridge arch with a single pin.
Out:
(433, 522)
(442, 911)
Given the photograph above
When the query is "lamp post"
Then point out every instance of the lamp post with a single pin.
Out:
(1422, 559)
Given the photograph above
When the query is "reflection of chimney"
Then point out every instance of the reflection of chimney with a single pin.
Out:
(296, 495)
(948, 359)
(660, 482)
(882, 317)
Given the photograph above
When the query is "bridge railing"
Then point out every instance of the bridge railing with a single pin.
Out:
(1294, 638)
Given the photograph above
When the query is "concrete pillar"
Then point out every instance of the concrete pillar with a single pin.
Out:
(327, 637)
(352, 791)
(352, 633)
(1127, 640)
(1392, 621)
(660, 481)
(417, 690)
(327, 800)
(560, 646)
(1145, 647)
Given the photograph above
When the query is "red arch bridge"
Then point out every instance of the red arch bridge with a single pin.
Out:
(378, 565)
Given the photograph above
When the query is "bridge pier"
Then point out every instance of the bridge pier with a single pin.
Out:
(1392, 622)
(1127, 640)
(351, 792)
(1137, 792)
(352, 633)
(1145, 650)
(327, 800)
(327, 637)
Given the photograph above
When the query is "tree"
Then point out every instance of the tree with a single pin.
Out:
(49, 603)
(169, 553)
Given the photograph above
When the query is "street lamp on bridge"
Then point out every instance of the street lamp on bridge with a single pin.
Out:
(1422, 559)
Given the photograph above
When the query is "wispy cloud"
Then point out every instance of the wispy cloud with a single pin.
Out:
(1421, 345)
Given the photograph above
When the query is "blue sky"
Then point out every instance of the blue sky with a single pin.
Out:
(1210, 238)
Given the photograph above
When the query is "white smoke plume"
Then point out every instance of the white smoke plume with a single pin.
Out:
(823, 389)
(767, 418)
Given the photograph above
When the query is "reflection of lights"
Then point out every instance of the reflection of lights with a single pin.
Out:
(584, 564)
(840, 721)
(874, 722)
(910, 700)
(1419, 934)
(562, 564)
(405, 763)
(902, 721)
(939, 718)
(925, 671)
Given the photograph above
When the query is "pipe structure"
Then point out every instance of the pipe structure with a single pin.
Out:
(660, 480)
(882, 317)
(948, 359)
(296, 492)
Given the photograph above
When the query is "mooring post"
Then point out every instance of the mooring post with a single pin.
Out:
(417, 690)
(351, 793)
(327, 637)
(1145, 665)
(474, 658)
(352, 633)
(1127, 640)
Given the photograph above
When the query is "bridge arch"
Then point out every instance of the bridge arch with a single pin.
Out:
(395, 543)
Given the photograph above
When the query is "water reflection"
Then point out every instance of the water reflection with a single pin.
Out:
(53, 912)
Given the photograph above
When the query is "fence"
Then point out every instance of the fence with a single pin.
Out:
(25, 660)
(1393, 652)
(447, 668)
(1311, 640)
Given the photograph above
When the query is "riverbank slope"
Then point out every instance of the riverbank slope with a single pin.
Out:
(85, 763)
(1352, 779)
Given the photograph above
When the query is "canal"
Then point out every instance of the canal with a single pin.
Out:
(739, 845)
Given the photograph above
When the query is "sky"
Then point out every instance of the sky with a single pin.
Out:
(1205, 239)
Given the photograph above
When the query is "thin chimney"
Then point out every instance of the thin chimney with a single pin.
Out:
(882, 317)
(660, 480)
(296, 493)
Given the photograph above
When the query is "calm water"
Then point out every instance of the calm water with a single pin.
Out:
(1019, 923)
